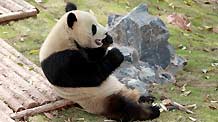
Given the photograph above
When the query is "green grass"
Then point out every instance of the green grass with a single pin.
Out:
(28, 34)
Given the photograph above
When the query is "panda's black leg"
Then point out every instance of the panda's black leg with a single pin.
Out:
(125, 110)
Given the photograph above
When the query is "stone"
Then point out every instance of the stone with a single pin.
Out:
(148, 56)
(145, 33)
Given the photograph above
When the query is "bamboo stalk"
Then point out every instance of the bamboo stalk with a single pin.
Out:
(40, 109)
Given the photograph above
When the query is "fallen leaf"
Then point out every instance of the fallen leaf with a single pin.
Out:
(109, 120)
(193, 106)
(209, 28)
(186, 93)
(183, 87)
(188, 2)
(213, 107)
(214, 64)
(206, 50)
(80, 119)
(204, 71)
(213, 101)
(34, 52)
(179, 20)
(207, 77)
(163, 107)
(20, 64)
(192, 119)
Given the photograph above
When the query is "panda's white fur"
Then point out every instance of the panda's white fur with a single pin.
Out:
(111, 98)
(80, 32)
(92, 98)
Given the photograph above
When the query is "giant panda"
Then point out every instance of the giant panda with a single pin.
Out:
(77, 62)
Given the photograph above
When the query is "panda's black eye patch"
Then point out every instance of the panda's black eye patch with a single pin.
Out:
(94, 29)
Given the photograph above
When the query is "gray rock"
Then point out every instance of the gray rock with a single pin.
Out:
(148, 56)
(136, 84)
(146, 33)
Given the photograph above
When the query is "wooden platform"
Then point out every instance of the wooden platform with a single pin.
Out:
(15, 9)
(22, 84)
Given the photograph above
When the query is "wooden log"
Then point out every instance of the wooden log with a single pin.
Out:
(26, 87)
(4, 10)
(5, 118)
(32, 76)
(4, 108)
(43, 88)
(22, 97)
(10, 4)
(17, 15)
(10, 99)
(20, 56)
(40, 109)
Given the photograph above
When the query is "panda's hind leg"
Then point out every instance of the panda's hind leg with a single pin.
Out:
(124, 107)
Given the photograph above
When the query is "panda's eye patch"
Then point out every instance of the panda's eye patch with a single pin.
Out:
(94, 29)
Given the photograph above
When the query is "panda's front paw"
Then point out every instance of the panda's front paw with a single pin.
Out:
(115, 56)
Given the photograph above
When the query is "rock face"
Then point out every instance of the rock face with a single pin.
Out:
(142, 39)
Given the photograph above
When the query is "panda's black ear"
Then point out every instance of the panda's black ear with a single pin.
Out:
(70, 6)
(71, 18)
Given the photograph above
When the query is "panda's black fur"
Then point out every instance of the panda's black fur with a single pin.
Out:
(89, 68)
(86, 67)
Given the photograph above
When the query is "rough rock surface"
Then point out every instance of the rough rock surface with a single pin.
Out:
(142, 38)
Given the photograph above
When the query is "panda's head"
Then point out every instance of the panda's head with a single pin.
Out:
(84, 28)
(75, 28)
